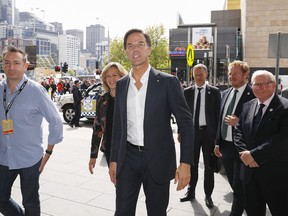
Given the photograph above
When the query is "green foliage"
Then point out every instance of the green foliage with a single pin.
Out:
(117, 53)
(71, 72)
(159, 58)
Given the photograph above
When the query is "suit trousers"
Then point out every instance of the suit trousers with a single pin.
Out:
(135, 172)
(77, 110)
(202, 140)
(231, 162)
(268, 185)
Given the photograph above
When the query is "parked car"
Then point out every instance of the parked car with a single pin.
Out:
(88, 107)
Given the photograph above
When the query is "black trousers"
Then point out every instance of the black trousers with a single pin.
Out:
(268, 185)
(204, 142)
(134, 173)
(76, 118)
(231, 163)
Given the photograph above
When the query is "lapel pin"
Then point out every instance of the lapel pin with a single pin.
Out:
(209, 92)
(271, 109)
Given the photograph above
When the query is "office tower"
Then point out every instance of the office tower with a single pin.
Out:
(94, 34)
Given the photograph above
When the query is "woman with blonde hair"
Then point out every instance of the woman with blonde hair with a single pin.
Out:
(102, 127)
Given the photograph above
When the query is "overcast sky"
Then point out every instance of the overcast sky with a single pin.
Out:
(121, 15)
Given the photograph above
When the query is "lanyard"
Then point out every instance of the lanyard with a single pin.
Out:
(7, 108)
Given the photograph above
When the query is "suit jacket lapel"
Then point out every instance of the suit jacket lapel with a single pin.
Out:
(250, 116)
(223, 102)
(151, 94)
(192, 100)
(124, 100)
(207, 100)
(274, 104)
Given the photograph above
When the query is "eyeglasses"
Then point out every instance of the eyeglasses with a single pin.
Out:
(259, 85)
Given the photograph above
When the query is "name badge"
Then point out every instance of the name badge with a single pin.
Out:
(7, 126)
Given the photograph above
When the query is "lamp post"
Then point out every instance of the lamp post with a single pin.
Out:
(210, 57)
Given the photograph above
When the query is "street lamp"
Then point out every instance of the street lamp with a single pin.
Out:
(210, 56)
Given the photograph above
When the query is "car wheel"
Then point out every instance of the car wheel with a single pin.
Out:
(68, 113)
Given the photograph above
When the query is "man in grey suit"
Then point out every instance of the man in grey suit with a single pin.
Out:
(143, 148)
(262, 142)
(204, 103)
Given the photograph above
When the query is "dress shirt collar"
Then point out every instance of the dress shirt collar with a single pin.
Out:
(241, 89)
(267, 102)
(203, 86)
(144, 77)
(24, 78)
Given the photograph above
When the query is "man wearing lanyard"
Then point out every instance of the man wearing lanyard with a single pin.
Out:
(23, 105)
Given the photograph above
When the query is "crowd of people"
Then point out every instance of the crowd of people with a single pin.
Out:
(63, 86)
(245, 126)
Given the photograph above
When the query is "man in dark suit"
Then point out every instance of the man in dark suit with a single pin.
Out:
(231, 104)
(77, 98)
(205, 112)
(263, 147)
(143, 148)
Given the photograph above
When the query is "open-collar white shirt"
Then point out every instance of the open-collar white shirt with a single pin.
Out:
(136, 108)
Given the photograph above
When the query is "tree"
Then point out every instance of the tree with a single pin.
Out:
(117, 53)
(159, 58)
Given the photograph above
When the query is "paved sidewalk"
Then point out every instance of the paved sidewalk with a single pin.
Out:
(67, 187)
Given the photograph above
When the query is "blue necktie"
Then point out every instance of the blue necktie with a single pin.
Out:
(228, 112)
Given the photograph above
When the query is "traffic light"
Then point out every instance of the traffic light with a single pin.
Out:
(98, 71)
(57, 68)
(65, 67)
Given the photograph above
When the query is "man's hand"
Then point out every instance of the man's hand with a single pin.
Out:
(231, 120)
(92, 163)
(182, 176)
(43, 162)
(247, 159)
(179, 138)
(112, 172)
(217, 151)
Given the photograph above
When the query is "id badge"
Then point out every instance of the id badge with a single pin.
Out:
(7, 126)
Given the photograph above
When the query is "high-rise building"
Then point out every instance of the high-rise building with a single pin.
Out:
(7, 8)
(69, 50)
(94, 34)
(78, 33)
(58, 27)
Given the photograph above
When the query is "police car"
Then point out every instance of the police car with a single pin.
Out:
(88, 107)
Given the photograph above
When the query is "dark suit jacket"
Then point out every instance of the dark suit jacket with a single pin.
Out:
(246, 96)
(164, 97)
(77, 97)
(269, 144)
(212, 107)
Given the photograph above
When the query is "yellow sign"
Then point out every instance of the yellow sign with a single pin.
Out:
(190, 55)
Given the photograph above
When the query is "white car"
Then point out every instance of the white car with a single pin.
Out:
(88, 107)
